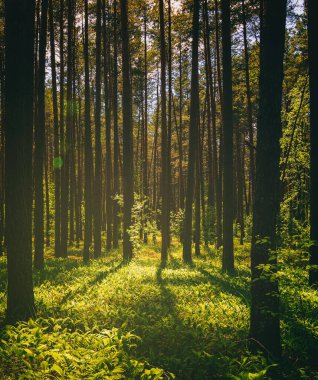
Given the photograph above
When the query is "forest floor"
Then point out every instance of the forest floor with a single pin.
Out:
(107, 320)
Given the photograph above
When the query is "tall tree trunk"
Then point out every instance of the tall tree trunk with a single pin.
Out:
(220, 166)
(213, 179)
(88, 148)
(264, 322)
(65, 131)
(47, 191)
(98, 147)
(193, 136)
(181, 182)
(19, 74)
(145, 132)
(249, 111)
(197, 231)
(313, 85)
(239, 182)
(116, 133)
(169, 125)
(40, 146)
(128, 165)
(228, 255)
(109, 174)
(164, 144)
(2, 155)
(57, 158)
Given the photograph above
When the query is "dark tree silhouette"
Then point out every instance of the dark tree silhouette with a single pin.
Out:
(312, 7)
(264, 323)
(193, 136)
(40, 145)
(228, 254)
(19, 73)
(98, 147)
(164, 143)
(128, 167)
(88, 165)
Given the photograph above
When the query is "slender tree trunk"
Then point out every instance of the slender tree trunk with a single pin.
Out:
(249, 110)
(57, 159)
(88, 148)
(39, 151)
(313, 81)
(47, 192)
(145, 134)
(181, 182)
(65, 133)
(239, 181)
(109, 174)
(164, 144)
(228, 254)
(197, 234)
(116, 133)
(193, 136)
(128, 165)
(2, 155)
(98, 148)
(169, 125)
(220, 166)
(19, 74)
(264, 322)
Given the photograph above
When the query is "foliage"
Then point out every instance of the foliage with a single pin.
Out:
(191, 321)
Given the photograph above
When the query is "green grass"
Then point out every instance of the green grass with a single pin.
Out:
(107, 320)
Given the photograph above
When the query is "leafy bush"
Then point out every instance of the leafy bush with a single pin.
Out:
(56, 348)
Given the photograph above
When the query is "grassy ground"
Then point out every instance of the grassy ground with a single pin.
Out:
(139, 321)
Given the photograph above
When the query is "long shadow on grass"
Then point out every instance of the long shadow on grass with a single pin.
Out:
(102, 275)
(226, 286)
(168, 340)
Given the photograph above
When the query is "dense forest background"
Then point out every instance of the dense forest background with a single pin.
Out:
(158, 171)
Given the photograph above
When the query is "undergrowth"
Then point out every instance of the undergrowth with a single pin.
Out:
(107, 320)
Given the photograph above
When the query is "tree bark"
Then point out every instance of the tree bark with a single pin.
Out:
(98, 147)
(109, 174)
(264, 322)
(57, 158)
(313, 88)
(19, 74)
(193, 136)
(164, 144)
(39, 151)
(228, 254)
(128, 165)
(88, 148)
(116, 220)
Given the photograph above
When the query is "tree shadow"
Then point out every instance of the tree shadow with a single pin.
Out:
(169, 340)
(102, 275)
(234, 289)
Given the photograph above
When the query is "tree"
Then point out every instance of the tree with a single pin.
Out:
(109, 174)
(312, 7)
(193, 136)
(57, 159)
(228, 254)
(116, 132)
(128, 167)
(164, 143)
(145, 126)
(249, 109)
(98, 148)
(88, 147)
(40, 145)
(264, 322)
(19, 74)
(62, 252)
